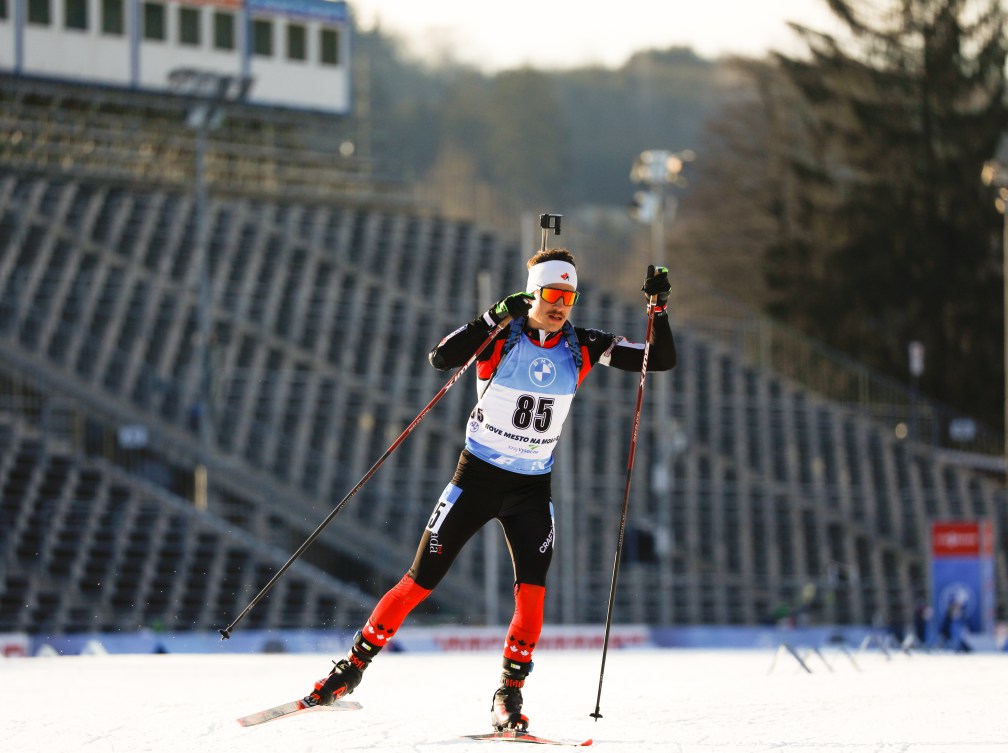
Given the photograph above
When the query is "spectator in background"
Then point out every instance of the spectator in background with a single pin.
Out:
(922, 622)
(954, 624)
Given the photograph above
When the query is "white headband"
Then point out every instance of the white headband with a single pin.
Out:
(551, 272)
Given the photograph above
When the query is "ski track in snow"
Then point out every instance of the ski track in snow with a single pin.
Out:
(673, 701)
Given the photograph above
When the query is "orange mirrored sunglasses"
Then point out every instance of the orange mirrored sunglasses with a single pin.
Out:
(552, 295)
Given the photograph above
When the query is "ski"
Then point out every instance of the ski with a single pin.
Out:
(294, 707)
(517, 736)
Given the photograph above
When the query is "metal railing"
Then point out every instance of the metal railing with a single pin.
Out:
(771, 345)
(120, 135)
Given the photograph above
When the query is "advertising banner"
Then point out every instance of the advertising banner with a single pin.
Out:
(962, 574)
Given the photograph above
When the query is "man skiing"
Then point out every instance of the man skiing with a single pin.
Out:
(526, 380)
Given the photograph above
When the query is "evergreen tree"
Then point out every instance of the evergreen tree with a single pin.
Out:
(895, 230)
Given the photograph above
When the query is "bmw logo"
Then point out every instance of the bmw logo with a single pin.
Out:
(542, 372)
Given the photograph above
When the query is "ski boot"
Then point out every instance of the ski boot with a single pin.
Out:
(345, 675)
(505, 713)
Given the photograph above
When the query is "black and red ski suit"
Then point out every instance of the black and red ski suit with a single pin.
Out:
(521, 501)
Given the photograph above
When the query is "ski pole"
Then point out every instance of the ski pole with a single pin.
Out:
(626, 499)
(226, 632)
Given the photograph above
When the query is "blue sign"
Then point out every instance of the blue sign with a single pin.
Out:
(320, 10)
(962, 578)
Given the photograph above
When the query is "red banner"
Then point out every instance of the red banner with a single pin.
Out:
(962, 539)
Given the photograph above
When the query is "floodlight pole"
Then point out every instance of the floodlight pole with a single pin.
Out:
(995, 174)
(659, 169)
(1003, 206)
(210, 93)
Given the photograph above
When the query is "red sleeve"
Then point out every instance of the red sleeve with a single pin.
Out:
(485, 369)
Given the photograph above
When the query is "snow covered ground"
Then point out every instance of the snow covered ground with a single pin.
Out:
(652, 700)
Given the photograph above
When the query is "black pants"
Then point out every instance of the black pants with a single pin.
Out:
(478, 493)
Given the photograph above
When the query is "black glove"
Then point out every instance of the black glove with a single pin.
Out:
(515, 305)
(657, 284)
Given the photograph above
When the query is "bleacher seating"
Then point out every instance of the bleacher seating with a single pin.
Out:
(88, 548)
(322, 318)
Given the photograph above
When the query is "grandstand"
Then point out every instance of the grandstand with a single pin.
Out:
(777, 496)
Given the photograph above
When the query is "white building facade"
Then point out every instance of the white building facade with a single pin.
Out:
(297, 52)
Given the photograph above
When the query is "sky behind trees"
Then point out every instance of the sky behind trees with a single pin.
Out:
(572, 33)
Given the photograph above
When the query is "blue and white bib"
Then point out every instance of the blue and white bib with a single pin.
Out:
(518, 420)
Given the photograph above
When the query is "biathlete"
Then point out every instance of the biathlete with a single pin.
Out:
(526, 380)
